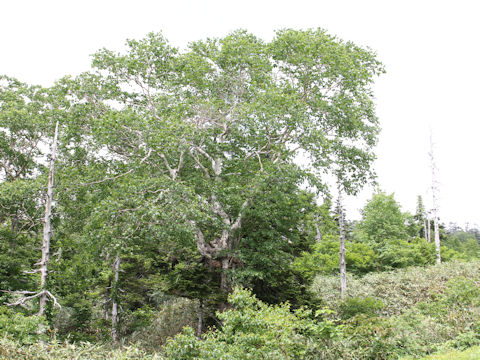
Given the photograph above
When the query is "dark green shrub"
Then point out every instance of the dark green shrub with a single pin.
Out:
(255, 330)
(461, 290)
(24, 329)
(466, 340)
(369, 338)
(368, 306)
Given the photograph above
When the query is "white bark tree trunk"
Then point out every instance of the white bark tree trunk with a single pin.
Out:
(341, 225)
(47, 232)
(200, 319)
(435, 202)
(425, 235)
(437, 239)
(429, 228)
(116, 269)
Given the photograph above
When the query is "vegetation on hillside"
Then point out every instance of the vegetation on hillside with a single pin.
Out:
(178, 204)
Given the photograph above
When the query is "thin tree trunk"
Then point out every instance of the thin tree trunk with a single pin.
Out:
(437, 239)
(116, 267)
(343, 267)
(200, 319)
(435, 201)
(224, 275)
(105, 309)
(425, 229)
(47, 233)
(429, 231)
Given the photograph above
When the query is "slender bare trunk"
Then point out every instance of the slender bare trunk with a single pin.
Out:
(435, 201)
(343, 267)
(116, 267)
(47, 232)
(437, 239)
(425, 229)
(200, 319)
(429, 229)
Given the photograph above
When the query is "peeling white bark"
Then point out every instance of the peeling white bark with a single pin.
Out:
(116, 269)
(47, 232)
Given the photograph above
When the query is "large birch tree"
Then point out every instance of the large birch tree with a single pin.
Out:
(229, 114)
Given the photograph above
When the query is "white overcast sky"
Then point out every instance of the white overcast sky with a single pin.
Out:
(431, 50)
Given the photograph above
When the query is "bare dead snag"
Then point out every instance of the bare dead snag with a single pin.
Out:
(44, 294)
(341, 225)
(116, 267)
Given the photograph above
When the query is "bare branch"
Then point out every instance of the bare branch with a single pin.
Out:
(24, 299)
(218, 209)
(23, 292)
(119, 175)
(203, 152)
(55, 302)
(199, 163)
(202, 246)
(32, 271)
(238, 222)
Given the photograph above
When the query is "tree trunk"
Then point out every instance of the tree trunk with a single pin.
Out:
(47, 227)
(437, 239)
(343, 267)
(435, 201)
(429, 229)
(116, 269)
(425, 229)
(224, 275)
(200, 319)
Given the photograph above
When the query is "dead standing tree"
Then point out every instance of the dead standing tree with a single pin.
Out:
(435, 201)
(341, 226)
(44, 293)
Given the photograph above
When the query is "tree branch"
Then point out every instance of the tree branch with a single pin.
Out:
(119, 175)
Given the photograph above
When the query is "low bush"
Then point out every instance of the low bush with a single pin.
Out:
(255, 330)
(172, 317)
(367, 306)
(399, 290)
(24, 329)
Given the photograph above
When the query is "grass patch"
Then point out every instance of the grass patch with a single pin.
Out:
(469, 354)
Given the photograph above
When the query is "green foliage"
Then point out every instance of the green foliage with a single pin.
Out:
(367, 306)
(398, 253)
(24, 329)
(426, 310)
(465, 244)
(324, 258)
(461, 290)
(382, 220)
(171, 316)
(470, 354)
(275, 232)
(399, 290)
(255, 330)
(366, 338)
